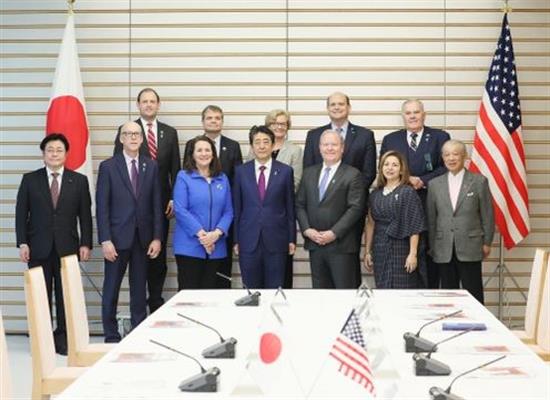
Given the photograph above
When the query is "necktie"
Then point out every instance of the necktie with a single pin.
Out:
(151, 141)
(134, 177)
(54, 189)
(261, 183)
(414, 146)
(341, 132)
(324, 183)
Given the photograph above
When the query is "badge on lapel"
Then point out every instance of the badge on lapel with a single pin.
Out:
(224, 148)
(143, 167)
(219, 186)
(162, 134)
(276, 172)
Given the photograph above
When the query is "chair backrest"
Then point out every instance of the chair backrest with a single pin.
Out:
(536, 284)
(5, 382)
(543, 331)
(78, 334)
(40, 323)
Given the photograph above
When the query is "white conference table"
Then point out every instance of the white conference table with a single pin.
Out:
(139, 369)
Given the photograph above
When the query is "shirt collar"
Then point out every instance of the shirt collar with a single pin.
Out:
(144, 122)
(344, 127)
(458, 176)
(332, 167)
(60, 171)
(419, 133)
(129, 159)
(267, 164)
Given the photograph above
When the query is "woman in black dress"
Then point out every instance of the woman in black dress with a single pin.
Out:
(395, 221)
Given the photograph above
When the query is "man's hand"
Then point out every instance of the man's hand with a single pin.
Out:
(327, 237)
(416, 182)
(169, 212)
(84, 253)
(291, 248)
(109, 251)
(24, 253)
(314, 235)
(236, 249)
(154, 249)
(486, 251)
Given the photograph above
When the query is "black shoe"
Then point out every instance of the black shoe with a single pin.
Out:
(61, 350)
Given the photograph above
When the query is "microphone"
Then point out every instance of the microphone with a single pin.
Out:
(424, 365)
(206, 381)
(438, 393)
(415, 344)
(224, 349)
(251, 299)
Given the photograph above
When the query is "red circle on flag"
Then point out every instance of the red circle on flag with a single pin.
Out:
(66, 115)
(270, 347)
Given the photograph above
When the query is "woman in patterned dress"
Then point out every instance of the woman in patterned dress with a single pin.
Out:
(395, 221)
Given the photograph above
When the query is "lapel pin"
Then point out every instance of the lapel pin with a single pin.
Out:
(219, 186)
(275, 172)
(224, 148)
(397, 196)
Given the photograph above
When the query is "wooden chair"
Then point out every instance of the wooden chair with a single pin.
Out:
(6, 391)
(532, 309)
(47, 378)
(542, 345)
(81, 352)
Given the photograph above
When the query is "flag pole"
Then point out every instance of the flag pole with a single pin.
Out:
(70, 4)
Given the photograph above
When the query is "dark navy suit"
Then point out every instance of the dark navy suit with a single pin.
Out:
(131, 223)
(425, 163)
(263, 230)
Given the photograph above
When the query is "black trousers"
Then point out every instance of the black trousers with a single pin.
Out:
(330, 270)
(52, 276)
(156, 272)
(197, 273)
(467, 273)
(226, 266)
(289, 272)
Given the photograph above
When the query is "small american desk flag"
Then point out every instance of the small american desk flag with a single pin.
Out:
(498, 144)
(350, 352)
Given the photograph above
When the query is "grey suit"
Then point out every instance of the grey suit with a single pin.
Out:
(289, 154)
(340, 211)
(457, 237)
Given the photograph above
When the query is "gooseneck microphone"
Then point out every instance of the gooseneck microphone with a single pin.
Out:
(424, 365)
(205, 381)
(438, 393)
(224, 349)
(250, 300)
(415, 344)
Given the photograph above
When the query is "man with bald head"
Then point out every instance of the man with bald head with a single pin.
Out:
(329, 205)
(421, 146)
(129, 225)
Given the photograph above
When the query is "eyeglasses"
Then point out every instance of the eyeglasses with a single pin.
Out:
(131, 134)
(279, 124)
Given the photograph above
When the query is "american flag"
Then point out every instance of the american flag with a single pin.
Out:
(498, 150)
(350, 352)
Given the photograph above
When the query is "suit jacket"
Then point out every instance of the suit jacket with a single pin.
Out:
(426, 161)
(467, 228)
(359, 150)
(339, 211)
(119, 211)
(289, 154)
(40, 226)
(168, 156)
(273, 219)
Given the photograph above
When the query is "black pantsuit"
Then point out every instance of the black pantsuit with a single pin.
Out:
(197, 273)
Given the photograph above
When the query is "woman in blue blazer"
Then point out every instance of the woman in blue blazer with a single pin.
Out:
(202, 203)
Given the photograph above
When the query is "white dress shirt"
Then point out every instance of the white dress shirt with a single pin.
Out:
(153, 128)
(333, 169)
(344, 128)
(455, 183)
(267, 170)
(128, 160)
(418, 138)
(59, 177)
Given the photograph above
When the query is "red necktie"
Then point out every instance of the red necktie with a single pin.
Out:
(261, 182)
(151, 141)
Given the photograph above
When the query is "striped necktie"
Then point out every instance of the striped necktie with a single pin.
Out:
(414, 146)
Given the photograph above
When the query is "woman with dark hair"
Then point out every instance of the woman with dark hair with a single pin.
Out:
(203, 208)
(395, 220)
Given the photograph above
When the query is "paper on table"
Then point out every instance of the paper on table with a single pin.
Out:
(142, 357)
(170, 324)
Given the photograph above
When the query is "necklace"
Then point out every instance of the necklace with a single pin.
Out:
(388, 189)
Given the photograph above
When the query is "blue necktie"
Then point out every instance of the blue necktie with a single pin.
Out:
(324, 184)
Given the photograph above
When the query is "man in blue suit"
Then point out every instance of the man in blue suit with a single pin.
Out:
(421, 146)
(129, 225)
(263, 205)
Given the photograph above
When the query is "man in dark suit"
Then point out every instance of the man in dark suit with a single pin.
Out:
(264, 219)
(329, 204)
(359, 151)
(461, 222)
(160, 143)
(50, 202)
(421, 146)
(129, 225)
(230, 156)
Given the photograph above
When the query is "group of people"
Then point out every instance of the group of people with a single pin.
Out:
(427, 223)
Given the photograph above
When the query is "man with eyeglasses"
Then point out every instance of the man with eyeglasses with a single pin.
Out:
(129, 226)
(230, 156)
(51, 202)
(160, 143)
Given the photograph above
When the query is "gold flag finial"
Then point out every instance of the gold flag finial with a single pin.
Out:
(70, 3)
(506, 8)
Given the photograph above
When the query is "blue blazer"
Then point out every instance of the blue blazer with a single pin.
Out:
(426, 161)
(201, 205)
(273, 219)
(119, 211)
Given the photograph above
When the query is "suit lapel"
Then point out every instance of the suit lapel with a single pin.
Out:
(464, 188)
(45, 186)
(351, 134)
(446, 193)
(144, 148)
(143, 170)
(223, 152)
(251, 172)
(66, 181)
(123, 171)
(333, 182)
(160, 137)
(273, 177)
